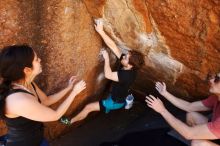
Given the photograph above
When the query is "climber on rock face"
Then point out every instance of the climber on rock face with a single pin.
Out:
(198, 128)
(122, 78)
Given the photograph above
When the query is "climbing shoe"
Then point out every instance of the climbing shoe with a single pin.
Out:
(65, 121)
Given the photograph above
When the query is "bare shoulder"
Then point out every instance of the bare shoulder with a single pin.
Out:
(19, 98)
(18, 103)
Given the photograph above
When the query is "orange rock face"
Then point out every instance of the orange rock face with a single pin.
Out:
(180, 41)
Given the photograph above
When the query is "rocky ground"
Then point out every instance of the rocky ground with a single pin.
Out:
(102, 127)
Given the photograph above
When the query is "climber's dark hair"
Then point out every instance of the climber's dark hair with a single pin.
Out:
(136, 59)
(13, 60)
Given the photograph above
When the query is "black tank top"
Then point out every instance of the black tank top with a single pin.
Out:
(23, 131)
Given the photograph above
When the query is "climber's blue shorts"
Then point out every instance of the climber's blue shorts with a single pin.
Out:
(108, 104)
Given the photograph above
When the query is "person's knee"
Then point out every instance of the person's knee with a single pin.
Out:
(195, 118)
(199, 143)
(190, 118)
(195, 143)
(191, 114)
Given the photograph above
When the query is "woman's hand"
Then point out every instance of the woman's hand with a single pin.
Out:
(161, 88)
(71, 82)
(99, 25)
(155, 103)
(81, 85)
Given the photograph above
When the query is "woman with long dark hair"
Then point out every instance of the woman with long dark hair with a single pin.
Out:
(23, 105)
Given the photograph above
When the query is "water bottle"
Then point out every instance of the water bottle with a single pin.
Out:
(129, 101)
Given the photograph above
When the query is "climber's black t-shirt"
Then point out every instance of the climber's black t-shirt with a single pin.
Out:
(120, 89)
